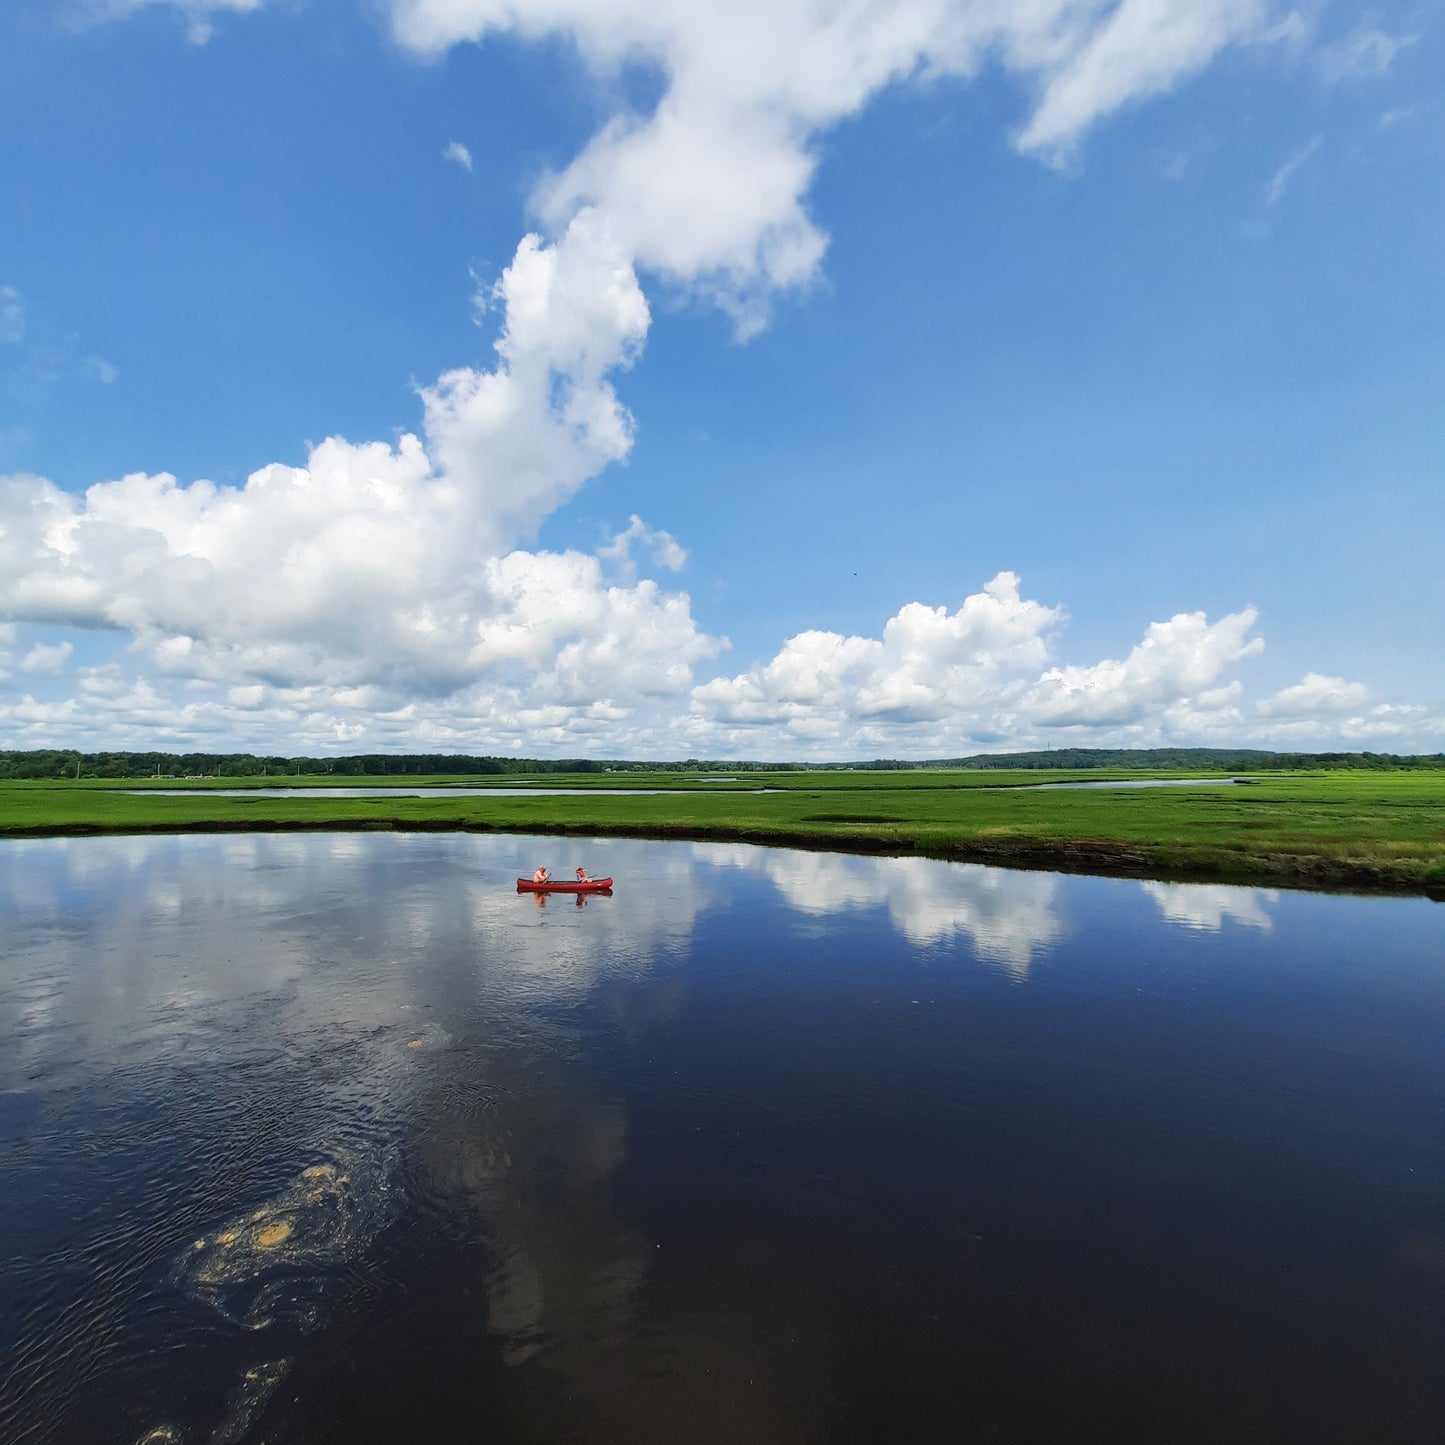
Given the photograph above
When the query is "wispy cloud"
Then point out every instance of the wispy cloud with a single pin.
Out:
(12, 316)
(196, 13)
(456, 151)
(1279, 183)
(1394, 116)
(1096, 61)
(1194, 154)
(1361, 54)
(101, 370)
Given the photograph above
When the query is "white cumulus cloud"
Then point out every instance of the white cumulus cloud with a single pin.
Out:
(46, 657)
(391, 574)
(930, 666)
(938, 683)
(1316, 695)
(519, 439)
(666, 550)
(1320, 711)
(357, 570)
(1177, 661)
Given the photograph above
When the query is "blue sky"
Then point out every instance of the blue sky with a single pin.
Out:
(901, 379)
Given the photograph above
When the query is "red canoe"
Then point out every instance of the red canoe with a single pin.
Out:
(592, 885)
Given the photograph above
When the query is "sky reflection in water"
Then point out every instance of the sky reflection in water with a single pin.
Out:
(337, 1137)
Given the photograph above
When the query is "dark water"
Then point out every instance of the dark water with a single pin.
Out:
(336, 1138)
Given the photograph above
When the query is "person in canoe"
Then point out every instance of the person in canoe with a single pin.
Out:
(541, 876)
(582, 876)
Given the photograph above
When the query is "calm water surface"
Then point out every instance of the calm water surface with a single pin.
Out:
(534, 791)
(336, 1138)
(1139, 783)
(304, 792)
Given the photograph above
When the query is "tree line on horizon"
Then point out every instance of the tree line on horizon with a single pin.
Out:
(69, 763)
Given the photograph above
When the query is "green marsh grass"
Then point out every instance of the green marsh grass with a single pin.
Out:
(1351, 830)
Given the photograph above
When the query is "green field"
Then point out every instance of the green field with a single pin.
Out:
(1361, 831)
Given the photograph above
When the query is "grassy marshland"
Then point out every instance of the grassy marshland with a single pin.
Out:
(1374, 831)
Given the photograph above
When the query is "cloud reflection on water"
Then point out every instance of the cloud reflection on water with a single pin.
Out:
(333, 928)
(1008, 916)
(1205, 906)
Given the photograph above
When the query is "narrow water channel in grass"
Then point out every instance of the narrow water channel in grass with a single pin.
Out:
(337, 1138)
(303, 793)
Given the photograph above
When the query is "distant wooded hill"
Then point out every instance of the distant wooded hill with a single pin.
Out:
(59, 763)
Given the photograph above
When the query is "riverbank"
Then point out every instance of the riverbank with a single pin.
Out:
(1347, 831)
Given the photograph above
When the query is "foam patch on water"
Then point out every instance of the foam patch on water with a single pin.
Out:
(278, 1264)
(258, 1383)
(251, 1397)
(279, 1261)
(428, 1038)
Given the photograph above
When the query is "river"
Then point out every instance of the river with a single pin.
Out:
(336, 1137)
